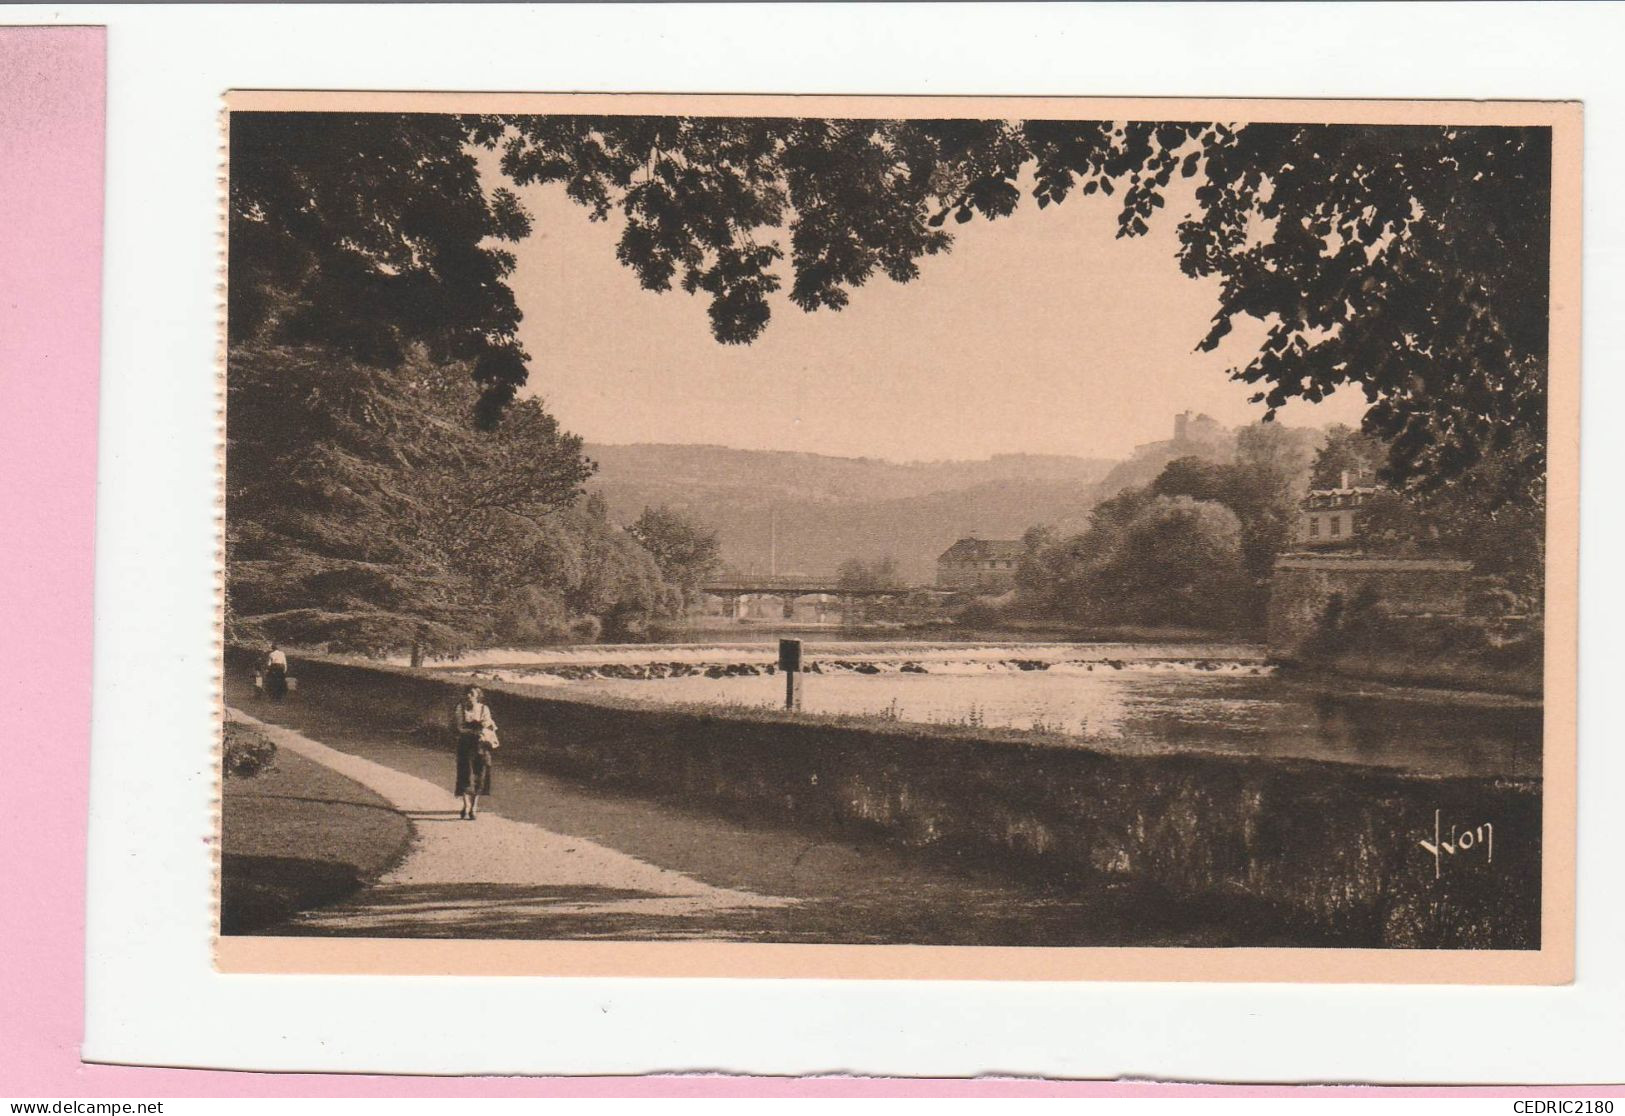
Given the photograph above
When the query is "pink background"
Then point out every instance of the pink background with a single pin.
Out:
(51, 178)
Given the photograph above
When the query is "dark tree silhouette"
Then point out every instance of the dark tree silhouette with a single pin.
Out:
(1347, 451)
(1408, 263)
(881, 573)
(365, 511)
(367, 234)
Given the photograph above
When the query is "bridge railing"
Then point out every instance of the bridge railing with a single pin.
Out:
(801, 586)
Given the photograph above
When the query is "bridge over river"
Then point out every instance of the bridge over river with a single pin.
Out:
(790, 589)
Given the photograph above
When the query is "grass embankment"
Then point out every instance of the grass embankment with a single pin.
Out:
(297, 835)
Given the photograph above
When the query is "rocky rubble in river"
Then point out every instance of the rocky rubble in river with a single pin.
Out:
(579, 672)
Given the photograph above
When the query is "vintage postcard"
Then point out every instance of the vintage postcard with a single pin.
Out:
(994, 538)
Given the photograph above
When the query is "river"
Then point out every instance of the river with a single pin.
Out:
(1116, 696)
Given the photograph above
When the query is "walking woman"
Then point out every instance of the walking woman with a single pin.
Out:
(476, 739)
(275, 673)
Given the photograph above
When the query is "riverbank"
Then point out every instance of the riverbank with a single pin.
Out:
(1329, 847)
(297, 836)
(1474, 654)
(1441, 678)
(1434, 684)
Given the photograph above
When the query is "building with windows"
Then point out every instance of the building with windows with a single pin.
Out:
(1337, 564)
(1331, 517)
(980, 565)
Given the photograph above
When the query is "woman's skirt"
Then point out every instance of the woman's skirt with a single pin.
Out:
(473, 765)
(276, 682)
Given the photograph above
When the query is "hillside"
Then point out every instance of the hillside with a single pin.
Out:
(829, 509)
(1211, 443)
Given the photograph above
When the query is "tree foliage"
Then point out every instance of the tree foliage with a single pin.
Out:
(1263, 486)
(368, 234)
(370, 313)
(686, 552)
(715, 204)
(1410, 262)
(1406, 262)
(1145, 559)
(1504, 540)
(365, 511)
(1151, 539)
(1347, 451)
(879, 573)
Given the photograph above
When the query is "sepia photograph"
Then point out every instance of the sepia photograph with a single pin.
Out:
(1085, 538)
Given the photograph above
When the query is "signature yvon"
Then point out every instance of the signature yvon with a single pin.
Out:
(1460, 840)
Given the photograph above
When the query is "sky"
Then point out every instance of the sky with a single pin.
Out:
(1037, 333)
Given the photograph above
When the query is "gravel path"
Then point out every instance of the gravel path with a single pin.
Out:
(498, 876)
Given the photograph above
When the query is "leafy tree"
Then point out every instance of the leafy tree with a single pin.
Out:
(704, 199)
(1195, 477)
(1145, 559)
(1262, 486)
(363, 509)
(621, 583)
(1037, 570)
(368, 234)
(1405, 262)
(1350, 451)
(1505, 541)
(1178, 562)
(686, 553)
(881, 573)
(1282, 451)
(1408, 263)
(1193, 548)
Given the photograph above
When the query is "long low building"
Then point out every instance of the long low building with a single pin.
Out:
(980, 565)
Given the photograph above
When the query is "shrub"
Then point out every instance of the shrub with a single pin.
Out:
(247, 753)
(980, 614)
(586, 629)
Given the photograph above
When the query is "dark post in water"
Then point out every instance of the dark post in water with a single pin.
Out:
(790, 664)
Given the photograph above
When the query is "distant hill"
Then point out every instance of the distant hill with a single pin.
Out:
(829, 509)
(1199, 438)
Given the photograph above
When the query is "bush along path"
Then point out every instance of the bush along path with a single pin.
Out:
(497, 877)
(296, 835)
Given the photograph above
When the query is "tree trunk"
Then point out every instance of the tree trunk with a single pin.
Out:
(417, 654)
